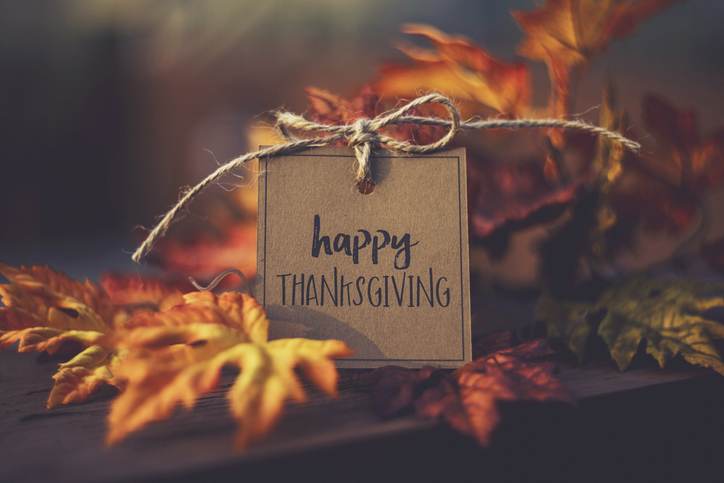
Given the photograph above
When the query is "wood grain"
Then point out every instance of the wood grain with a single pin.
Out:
(39, 444)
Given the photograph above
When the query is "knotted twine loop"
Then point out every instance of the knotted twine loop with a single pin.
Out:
(362, 141)
(364, 136)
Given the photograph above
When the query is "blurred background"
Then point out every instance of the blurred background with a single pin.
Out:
(109, 106)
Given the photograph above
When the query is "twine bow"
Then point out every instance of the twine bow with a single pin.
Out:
(365, 136)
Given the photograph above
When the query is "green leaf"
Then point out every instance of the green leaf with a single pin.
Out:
(672, 317)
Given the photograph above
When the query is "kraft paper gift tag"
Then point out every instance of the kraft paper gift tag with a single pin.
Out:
(386, 272)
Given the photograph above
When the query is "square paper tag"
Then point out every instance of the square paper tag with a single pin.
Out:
(385, 272)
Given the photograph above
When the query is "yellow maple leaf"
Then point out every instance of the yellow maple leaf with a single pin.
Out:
(176, 355)
(458, 68)
(671, 316)
(82, 375)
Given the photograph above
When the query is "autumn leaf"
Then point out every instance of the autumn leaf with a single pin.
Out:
(664, 189)
(672, 317)
(135, 290)
(470, 404)
(518, 203)
(571, 31)
(689, 159)
(176, 355)
(83, 375)
(637, 191)
(458, 68)
(582, 239)
(467, 399)
(42, 309)
(395, 389)
(642, 197)
(161, 348)
(608, 163)
(47, 311)
(609, 155)
(567, 33)
(207, 254)
(330, 108)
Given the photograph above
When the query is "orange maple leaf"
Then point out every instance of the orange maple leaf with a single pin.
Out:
(566, 33)
(458, 68)
(176, 355)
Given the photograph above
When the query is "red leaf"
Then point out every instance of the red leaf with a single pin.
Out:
(467, 399)
(515, 196)
(396, 388)
(684, 156)
(206, 256)
(330, 108)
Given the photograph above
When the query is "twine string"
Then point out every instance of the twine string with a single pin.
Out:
(219, 278)
(364, 136)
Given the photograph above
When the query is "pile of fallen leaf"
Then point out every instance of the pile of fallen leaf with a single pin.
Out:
(668, 318)
(160, 347)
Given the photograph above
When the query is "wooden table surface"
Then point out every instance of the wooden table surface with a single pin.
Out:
(645, 424)
(318, 439)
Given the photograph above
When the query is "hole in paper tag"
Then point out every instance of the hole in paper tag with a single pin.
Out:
(366, 186)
